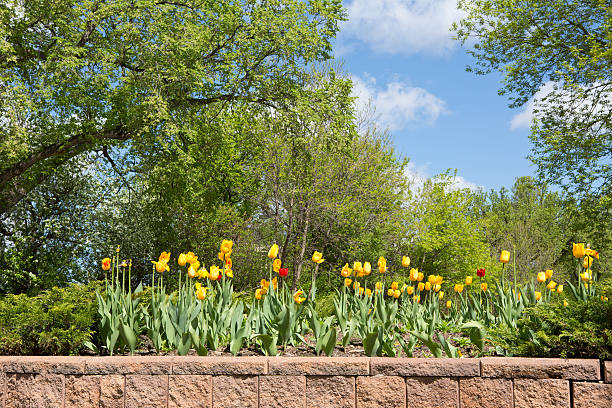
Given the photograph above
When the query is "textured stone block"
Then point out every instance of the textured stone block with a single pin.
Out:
(82, 391)
(152, 365)
(235, 391)
(330, 392)
(425, 367)
(381, 392)
(190, 391)
(220, 365)
(112, 391)
(608, 371)
(590, 395)
(319, 366)
(45, 364)
(282, 391)
(485, 393)
(541, 393)
(439, 392)
(518, 367)
(34, 390)
(146, 391)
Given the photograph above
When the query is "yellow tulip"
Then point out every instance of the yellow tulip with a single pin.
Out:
(431, 279)
(404, 288)
(273, 252)
(586, 275)
(578, 250)
(367, 268)
(229, 273)
(198, 285)
(441, 295)
(538, 296)
(347, 282)
(214, 273)
(368, 292)
(414, 274)
(417, 298)
(421, 286)
(560, 289)
(258, 294)
(226, 246)
(396, 293)
(276, 265)
(360, 291)
(483, 286)
(346, 271)
(504, 257)
(421, 276)
(405, 261)
(587, 262)
(437, 287)
(458, 288)
(264, 283)
(356, 285)
(317, 257)
(190, 258)
(592, 253)
(106, 264)
(565, 303)
(390, 292)
(192, 272)
(382, 265)
(410, 290)
(549, 273)
(427, 286)
(201, 292)
(161, 267)
(182, 259)
(164, 257)
(275, 283)
(202, 273)
(551, 285)
(378, 285)
(298, 298)
(394, 285)
(541, 277)
(448, 304)
(438, 280)
(468, 280)
(358, 269)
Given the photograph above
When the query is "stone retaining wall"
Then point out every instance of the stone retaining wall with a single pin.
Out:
(287, 382)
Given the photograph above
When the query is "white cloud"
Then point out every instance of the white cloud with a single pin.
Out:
(397, 104)
(401, 26)
(524, 118)
(418, 175)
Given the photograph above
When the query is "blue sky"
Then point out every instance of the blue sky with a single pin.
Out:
(401, 56)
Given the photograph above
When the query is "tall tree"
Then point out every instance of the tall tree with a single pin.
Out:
(562, 48)
(76, 76)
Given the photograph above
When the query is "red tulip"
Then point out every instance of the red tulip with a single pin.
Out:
(283, 272)
(480, 272)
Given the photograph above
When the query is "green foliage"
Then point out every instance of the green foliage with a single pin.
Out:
(580, 330)
(56, 322)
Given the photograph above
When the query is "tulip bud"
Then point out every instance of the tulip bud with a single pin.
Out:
(504, 257)
(405, 261)
(273, 252)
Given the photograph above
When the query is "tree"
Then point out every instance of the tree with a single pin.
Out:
(564, 46)
(79, 76)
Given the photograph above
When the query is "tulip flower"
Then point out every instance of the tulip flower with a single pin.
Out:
(421, 276)
(417, 298)
(317, 257)
(201, 292)
(538, 296)
(414, 274)
(592, 253)
(273, 252)
(228, 263)
(421, 286)
(192, 272)
(448, 304)
(356, 285)
(229, 273)
(276, 265)
(358, 269)
(298, 298)
(258, 294)
(410, 290)
(441, 295)
(378, 285)
(382, 265)
(458, 288)
(551, 285)
(346, 271)
(437, 287)
(368, 292)
(578, 250)
(161, 267)
(541, 277)
(283, 272)
(427, 286)
(347, 282)
(483, 286)
(405, 261)
(504, 257)
(202, 273)
(587, 262)
(560, 289)
(390, 292)
(396, 294)
(367, 268)
(438, 280)
(481, 272)
(264, 283)
(106, 264)
(182, 259)
(275, 283)
(189, 258)
(226, 246)
(404, 288)
(565, 304)
(468, 280)
(431, 279)
(394, 285)
(360, 291)
(164, 257)
(215, 273)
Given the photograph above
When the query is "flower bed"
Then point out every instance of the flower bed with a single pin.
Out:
(184, 381)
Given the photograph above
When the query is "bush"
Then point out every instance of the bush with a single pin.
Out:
(56, 322)
(582, 329)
